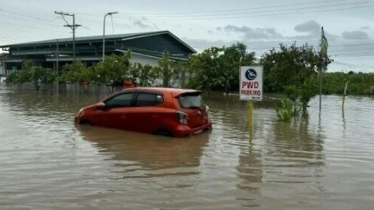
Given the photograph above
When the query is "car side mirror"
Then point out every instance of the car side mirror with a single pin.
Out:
(100, 106)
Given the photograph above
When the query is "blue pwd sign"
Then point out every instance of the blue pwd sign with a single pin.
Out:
(251, 74)
(251, 83)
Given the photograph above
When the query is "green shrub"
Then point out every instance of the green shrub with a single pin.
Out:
(284, 111)
(13, 77)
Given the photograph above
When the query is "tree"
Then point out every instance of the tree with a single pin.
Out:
(77, 72)
(229, 63)
(37, 75)
(205, 67)
(114, 68)
(146, 74)
(181, 70)
(293, 69)
(218, 68)
(165, 69)
(13, 77)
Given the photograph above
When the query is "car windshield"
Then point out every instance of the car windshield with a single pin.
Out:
(191, 101)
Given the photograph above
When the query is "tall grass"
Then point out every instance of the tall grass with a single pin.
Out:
(287, 110)
(359, 83)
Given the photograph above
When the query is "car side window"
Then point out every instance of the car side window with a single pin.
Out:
(120, 101)
(148, 99)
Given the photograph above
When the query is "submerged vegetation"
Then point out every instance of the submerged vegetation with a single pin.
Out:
(290, 70)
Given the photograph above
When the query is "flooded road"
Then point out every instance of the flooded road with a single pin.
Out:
(323, 163)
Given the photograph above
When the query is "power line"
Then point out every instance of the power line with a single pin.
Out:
(266, 15)
(219, 11)
(34, 19)
(263, 9)
(23, 26)
(21, 14)
(263, 12)
(353, 55)
(32, 26)
(260, 15)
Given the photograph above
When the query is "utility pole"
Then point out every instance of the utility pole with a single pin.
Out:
(73, 27)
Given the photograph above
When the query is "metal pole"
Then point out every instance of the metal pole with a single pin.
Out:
(320, 72)
(104, 38)
(73, 37)
(57, 56)
(109, 13)
(320, 89)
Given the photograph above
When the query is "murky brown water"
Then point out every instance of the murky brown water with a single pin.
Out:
(47, 163)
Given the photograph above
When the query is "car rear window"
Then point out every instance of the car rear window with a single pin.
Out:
(191, 101)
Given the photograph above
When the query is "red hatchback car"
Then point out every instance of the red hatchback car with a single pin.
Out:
(166, 111)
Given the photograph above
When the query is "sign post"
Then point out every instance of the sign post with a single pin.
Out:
(251, 88)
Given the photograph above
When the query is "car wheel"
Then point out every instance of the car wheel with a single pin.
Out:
(85, 122)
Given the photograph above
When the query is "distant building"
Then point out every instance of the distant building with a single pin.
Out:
(147, 48)
(2, 70)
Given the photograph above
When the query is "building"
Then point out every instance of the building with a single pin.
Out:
(2, 70)
(147, 48)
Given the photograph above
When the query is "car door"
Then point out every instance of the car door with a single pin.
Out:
(147, 112)
(115, 113)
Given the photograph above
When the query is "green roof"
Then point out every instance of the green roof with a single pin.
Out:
(98, 39)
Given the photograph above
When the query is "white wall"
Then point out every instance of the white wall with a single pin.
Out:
(2, 70)
(144, 60)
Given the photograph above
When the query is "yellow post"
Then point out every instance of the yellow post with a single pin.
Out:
(250, 120)
(345, 93)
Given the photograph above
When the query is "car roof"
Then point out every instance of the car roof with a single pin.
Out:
(174, 91)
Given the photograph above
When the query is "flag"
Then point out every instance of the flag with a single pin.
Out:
(324, 43)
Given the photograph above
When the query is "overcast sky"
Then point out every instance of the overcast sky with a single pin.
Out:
(261, 25)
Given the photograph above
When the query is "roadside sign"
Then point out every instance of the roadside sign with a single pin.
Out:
(14, 68)
(251, 83)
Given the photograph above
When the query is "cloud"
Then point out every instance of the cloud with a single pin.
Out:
(344, 64)
(252, 33)
(311, 26)
(202, 44)
(352, 35)
(210, 31)
(140, 24)
(144, 23)
(365, 27)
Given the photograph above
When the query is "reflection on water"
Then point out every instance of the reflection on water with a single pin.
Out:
(144, 153)
(324, 162)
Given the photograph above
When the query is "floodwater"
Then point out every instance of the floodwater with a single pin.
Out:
(322, 163)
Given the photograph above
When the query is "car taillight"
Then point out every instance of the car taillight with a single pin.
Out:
(182, 117)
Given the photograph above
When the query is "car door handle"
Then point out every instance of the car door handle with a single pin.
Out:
(123, 116)
(155, 115)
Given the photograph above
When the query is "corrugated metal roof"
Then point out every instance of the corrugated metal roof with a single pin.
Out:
(85, 39)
